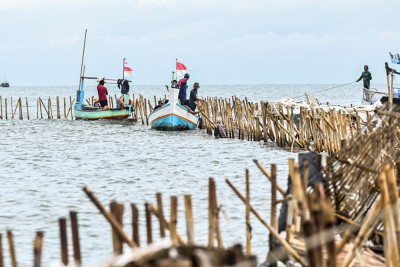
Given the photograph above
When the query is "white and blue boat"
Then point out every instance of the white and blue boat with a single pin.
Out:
(173, 116)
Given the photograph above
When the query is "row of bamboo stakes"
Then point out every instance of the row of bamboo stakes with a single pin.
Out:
(62, 108)
(313, 129)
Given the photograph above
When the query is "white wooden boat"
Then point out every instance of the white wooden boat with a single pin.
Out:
(173, 116)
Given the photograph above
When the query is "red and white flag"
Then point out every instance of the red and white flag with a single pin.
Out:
(180, 70)
(127, 70)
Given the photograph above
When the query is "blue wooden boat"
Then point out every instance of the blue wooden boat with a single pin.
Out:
(89, 112)
(173, 116)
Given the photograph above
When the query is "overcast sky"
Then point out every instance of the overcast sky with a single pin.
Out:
(221, 42)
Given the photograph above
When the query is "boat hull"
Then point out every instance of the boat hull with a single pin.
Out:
(109, 114)
(173, 117)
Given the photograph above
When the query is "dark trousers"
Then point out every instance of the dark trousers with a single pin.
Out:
(104, 103)
(183, 100)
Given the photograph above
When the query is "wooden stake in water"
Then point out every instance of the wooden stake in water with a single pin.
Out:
(11, 246)
(160, 214)
(37, 249)
(75, 237)
(63, 240)
(27, 108)
(135, 224)
(149, 227)
(189, 219)
(174, 220)
(1, 251)
(248, 226)
(117, 210)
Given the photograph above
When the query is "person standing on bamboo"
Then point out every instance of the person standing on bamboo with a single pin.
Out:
(366, 77)
(103, 93)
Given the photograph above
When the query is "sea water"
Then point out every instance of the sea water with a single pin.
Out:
(44, 165)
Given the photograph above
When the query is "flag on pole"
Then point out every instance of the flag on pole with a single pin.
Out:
(180, 70)
(127, 70)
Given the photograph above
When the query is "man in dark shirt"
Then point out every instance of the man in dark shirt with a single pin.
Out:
(193, 96)
(182, 85)
(102, 91)
(366, 76)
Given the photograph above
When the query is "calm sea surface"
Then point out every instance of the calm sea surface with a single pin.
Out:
(45, 163)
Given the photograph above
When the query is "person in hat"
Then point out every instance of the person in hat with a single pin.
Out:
(366, 77)
(193, 96)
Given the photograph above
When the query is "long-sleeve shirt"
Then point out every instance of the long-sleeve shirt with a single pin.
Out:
(367, 77)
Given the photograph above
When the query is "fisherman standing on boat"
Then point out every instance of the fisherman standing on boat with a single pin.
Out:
(366, 77)
(102, 91)
(193, 96)
(182, 85)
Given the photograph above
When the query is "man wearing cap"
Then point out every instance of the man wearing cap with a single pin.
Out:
(193, 96)
(366, 76)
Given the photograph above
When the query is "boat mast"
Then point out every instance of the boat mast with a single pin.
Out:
(123, 67)
(176, 70)
(83, 56)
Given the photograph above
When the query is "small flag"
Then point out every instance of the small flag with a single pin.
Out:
(180, 70)
(127, 70)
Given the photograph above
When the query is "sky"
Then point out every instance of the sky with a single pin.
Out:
(220, 41)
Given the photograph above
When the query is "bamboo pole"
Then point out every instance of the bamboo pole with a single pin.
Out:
(161, 214)
(27, 108)
(275, 233)
(37, 249)
(362, 233)
(248, 225)
(268, 175)
(173, 220)
(20, 109)
(135, 224)
(63, 240)
(13, 111)
(109, 217)
(117, 211)
(11, 247)
(167, 225)
(211, 211)
(75, 238)
(189, 219)
(394, 200)
(58, 107)
(11, 106)
(65, 107)
(49, 109)
(1, 251)
(5, 108)
(149, 228)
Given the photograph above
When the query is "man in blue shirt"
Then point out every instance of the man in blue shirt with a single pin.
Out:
(182, 85)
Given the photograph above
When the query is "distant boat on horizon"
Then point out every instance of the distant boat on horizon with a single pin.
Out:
(5, 84)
